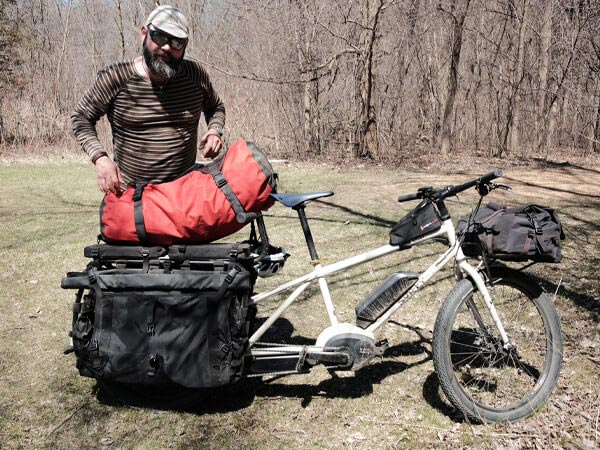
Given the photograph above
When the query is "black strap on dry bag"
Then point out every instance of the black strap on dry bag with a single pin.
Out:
(138, 214)
(240, 213)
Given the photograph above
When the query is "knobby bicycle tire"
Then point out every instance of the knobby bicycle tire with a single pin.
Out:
(481, 379)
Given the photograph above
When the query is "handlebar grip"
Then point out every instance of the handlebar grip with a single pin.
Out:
(408, 197)
(492, 175)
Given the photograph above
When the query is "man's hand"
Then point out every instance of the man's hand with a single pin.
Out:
(211, 143)
(109, 175)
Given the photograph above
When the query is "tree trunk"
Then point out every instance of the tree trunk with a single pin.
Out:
(310, 102)
(366, 142)
(310, 96)
(1, 123)
(596, 141)
(459, 21)
(517, 79)
(546, 42)
(61, 58)
(552, 97)
(195, 19)
(120, 28)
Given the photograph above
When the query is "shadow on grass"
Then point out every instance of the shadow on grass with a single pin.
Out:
(359, 385)
(243, 393)
(587, 302)
(431, 394)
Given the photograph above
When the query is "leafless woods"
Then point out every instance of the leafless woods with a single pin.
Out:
(378, 79)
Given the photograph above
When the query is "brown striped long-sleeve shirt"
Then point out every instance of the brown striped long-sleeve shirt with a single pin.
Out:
(154, 129)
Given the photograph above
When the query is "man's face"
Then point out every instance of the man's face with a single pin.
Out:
(161, 60)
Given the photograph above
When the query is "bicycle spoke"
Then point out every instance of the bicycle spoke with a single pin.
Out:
(487, 371)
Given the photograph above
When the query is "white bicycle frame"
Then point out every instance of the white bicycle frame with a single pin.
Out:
(320, 273)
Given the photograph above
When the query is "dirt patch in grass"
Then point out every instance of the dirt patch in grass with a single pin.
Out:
(48, 213)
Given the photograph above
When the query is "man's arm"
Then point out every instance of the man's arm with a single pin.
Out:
(89, 110)
(214, 113)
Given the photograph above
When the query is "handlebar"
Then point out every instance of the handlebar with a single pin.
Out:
(482, 183)
(408, 197)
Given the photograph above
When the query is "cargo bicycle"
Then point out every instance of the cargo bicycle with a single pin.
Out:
(497, 341)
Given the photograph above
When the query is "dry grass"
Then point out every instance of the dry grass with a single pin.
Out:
(48, 213)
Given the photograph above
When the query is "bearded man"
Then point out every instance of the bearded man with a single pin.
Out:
(153, 104)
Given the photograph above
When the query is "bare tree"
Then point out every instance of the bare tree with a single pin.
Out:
(513, 121)
(61, 55)
(306, 39)
(544, 66)
(594, 66)
(119, 20)
(458, 20)
(379, 79)
(8, 38)
(366, 142)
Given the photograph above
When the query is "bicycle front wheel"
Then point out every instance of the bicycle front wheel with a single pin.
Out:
(482, 378)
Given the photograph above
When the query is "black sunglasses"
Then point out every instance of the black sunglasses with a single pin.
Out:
(160, 39)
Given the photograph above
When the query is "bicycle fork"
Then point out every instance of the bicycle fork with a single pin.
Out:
(489, 303)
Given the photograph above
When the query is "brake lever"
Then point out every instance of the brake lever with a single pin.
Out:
(503, 187)
(486, 188)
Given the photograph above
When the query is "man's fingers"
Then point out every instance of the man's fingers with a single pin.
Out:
(212, 146)
(109, 178)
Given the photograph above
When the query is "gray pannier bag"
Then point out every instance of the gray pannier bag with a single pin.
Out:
(529, 232)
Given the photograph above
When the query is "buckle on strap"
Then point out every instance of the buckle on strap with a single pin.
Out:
(226, 348)
(232, 274)
(220, 180)
(533, 219)
(139, 188)
(91, 276)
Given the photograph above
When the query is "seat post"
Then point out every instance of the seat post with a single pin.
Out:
(307, 234)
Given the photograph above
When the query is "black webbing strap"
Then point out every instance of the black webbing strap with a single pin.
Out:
(531, 215)
(219, 307)
(227, 282)
(103, 320)
(138, 214)
(150, 325)
(240, 213)
(92, 279)
(225, 348)
(77, 306)
(146, 259)
(533, 219)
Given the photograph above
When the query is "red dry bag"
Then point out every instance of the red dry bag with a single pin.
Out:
(210, 202)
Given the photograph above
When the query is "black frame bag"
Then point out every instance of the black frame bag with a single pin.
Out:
(165, 320)
(422, 220)
(522, 233)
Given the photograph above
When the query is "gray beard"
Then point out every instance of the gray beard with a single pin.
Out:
(163, 69)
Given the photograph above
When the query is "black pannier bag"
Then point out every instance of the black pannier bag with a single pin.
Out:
(163, 315)
(522, 233)
(422, 220)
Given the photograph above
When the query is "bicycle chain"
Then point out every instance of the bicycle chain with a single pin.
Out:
(286, 372)
(279, 344)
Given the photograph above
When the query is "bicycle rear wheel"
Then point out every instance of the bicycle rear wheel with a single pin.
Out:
(485, 381)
